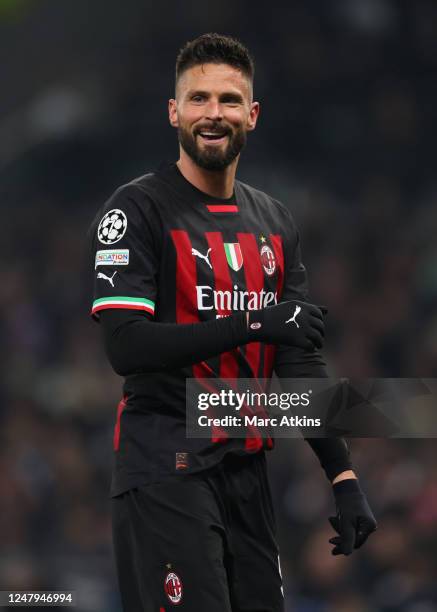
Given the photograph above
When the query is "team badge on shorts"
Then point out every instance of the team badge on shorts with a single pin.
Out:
(268, 260)
(181, 461)
(173, 588)
(112, 227)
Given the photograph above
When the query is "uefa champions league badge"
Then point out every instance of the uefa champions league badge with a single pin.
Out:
(112, 227)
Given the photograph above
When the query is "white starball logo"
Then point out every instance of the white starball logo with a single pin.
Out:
(112, 227)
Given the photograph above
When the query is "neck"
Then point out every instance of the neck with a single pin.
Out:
(219, 184)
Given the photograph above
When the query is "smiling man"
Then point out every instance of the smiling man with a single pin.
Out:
(213, 111)
(209, 284)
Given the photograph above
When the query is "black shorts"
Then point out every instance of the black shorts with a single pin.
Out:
(203, 543)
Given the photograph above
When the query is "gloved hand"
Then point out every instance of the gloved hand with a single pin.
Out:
(354, 521)
(292, 323)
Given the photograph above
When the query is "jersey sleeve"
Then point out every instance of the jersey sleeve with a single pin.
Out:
(295, 275)
(292, 361)
(124, 247)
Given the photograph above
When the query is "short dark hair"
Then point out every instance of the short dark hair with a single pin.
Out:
(215, 48)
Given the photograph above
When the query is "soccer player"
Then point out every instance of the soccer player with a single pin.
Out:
(200, 275)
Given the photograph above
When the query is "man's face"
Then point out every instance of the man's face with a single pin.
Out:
(213, 112)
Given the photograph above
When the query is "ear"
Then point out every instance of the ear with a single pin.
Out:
(173, 113)
(253, 116)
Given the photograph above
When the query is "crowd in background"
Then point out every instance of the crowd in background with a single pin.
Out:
(345, 140)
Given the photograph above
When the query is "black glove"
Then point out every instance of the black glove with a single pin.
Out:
(292, 323)
(354, 521)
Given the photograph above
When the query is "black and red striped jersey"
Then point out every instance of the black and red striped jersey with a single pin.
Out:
(163, 247)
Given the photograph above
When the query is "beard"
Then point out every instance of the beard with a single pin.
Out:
(212, 158)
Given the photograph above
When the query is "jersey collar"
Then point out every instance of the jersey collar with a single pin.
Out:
(172, 174)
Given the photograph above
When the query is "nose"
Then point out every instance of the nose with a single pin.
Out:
(213, 110)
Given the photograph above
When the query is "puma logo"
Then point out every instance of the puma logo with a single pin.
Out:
(293, 318)
(196, 253)
(108, 278)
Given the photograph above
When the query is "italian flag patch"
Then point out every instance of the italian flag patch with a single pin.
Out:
(120, 301)
(234, 255)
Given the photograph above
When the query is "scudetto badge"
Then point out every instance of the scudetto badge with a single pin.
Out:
(112, 227)
(268, 260)
(234, 256)
(173, 588)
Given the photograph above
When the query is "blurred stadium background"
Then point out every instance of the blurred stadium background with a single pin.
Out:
(346, 139)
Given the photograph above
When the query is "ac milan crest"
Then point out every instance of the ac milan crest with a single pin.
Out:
(173, 588)
(268, 260)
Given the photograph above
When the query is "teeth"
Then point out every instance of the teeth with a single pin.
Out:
(211, 134)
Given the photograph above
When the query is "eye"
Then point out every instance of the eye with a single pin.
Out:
(231, 101)
(197, 98)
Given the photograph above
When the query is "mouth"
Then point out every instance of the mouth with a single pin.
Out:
(211, 137)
